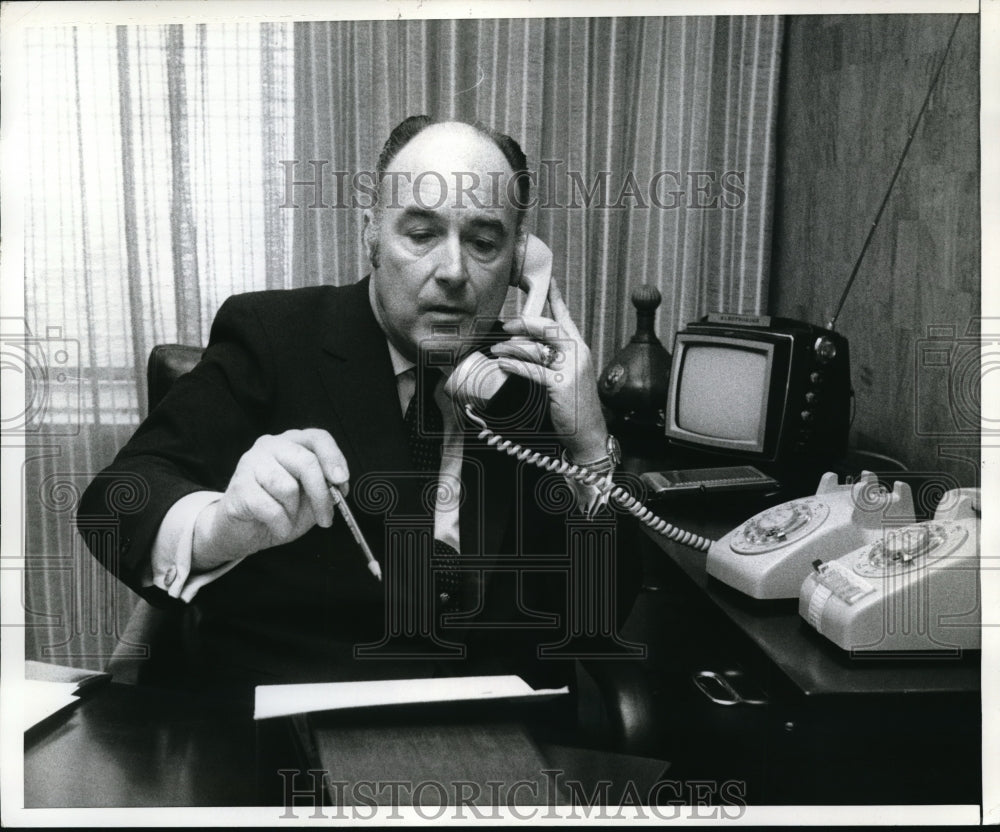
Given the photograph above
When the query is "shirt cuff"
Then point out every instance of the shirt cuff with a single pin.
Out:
(170, 563)
(590, 498)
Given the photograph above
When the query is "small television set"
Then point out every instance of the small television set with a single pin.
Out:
(758, 389)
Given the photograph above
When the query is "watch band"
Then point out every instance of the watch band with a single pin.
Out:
(604, 464)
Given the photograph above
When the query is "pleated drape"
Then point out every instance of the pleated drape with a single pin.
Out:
(666, 124)
(153, 158)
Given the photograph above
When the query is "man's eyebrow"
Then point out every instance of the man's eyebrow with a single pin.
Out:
(479, 223)
(415, 212)
(489, 224)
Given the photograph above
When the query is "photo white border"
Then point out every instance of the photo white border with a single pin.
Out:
(17, 16)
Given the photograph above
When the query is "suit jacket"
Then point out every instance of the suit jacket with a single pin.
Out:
(316, 357)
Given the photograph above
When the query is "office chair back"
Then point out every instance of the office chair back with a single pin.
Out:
(167, 363)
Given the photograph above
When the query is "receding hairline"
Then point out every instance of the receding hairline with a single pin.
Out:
(480, 174)
(424, 142)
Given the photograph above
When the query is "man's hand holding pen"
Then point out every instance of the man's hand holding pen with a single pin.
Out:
(280, 490)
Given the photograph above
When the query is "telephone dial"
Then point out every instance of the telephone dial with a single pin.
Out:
(914, 589)
(770, 554)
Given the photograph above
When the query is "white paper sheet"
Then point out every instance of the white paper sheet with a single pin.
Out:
(285, 700)
(42, 699)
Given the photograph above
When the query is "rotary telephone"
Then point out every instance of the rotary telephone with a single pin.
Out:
(915, 588)
(769, 555)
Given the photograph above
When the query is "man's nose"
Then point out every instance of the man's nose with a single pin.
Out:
(450, 267)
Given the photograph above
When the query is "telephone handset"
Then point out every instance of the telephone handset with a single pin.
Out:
(913, 589)
(477, 378)
(531, 273)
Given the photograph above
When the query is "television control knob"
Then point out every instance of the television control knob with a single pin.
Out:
(811, 398)
(816, 377)
(807, 416)
(825, 349)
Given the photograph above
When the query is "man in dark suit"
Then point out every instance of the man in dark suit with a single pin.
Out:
(233, 520)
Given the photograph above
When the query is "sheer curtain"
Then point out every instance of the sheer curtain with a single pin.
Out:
(653, 138)
(153, 163)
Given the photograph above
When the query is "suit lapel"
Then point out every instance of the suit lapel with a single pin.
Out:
(356, 372)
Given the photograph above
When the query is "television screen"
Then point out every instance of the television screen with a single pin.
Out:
(723, 391)
(755, 388)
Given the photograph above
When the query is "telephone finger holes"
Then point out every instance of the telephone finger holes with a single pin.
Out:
(779, 526)
(909, 548)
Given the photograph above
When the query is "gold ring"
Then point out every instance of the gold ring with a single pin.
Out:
(549, 355)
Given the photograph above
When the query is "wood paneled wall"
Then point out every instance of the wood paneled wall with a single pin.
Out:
(852, 86)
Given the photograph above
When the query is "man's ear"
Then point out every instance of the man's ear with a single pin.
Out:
(369, 236)
(517, 263)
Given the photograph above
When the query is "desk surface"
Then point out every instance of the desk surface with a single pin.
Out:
(815, 665)
(131, 746)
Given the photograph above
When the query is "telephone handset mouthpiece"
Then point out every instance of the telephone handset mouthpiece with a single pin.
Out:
(477, 378)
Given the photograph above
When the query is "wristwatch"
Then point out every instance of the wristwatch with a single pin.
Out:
(611, 460)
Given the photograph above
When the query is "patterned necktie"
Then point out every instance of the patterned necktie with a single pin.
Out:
(425, 432)
(424, 424)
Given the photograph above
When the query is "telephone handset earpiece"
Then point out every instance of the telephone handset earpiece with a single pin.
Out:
(477, 378)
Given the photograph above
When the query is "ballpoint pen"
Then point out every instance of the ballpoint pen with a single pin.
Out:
(352, 524)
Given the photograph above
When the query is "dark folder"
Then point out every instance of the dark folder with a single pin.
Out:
(465, 754)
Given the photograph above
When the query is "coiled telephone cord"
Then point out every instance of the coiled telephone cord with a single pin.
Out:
(587, 477)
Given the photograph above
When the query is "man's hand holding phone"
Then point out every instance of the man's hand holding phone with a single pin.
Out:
(551, 352)
(279, 490)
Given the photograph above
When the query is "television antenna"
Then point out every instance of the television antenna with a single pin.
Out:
(895, 175)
